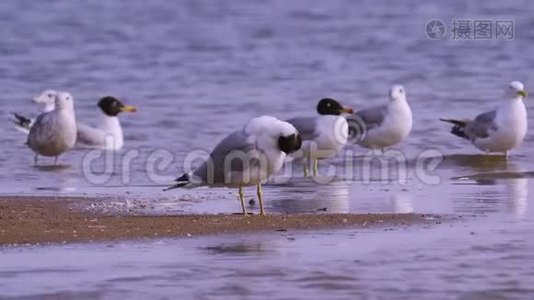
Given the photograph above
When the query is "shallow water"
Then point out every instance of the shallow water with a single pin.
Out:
(198, 70)
(484, 259)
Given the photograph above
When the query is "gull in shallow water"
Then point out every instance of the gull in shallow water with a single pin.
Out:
(381, 126)
(324, 135)
(246, 157)
(107, 135)
(46, 102)
(499, 130)
(54, 132)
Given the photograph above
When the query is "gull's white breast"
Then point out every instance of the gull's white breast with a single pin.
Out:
(511, 121)
(396, 126)
(55, 134)
(332, 133)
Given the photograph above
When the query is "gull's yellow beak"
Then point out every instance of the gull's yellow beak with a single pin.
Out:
(128, 108)
(522, 94)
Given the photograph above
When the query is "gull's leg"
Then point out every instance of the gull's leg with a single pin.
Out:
(506, 154)
(35, 159)
(306, 173)
(241, 198)
(383, 150)
(260, 198)
(55, 160)
(315, 167)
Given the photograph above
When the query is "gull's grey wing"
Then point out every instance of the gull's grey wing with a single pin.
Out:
(372, 116)
(42, 129)
(481, 125)
(306, 126)
(89, 136)
(235, 143)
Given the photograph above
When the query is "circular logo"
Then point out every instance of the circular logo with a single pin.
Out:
(357, 128)
(435, 29)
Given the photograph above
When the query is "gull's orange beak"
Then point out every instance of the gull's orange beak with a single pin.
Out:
(347, 110)
(129, 108)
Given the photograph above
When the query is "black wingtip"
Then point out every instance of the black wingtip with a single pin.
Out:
(180, 182)
(454, 122)
(21, 121)
(183, 178)
(459, 131)
(458, 128)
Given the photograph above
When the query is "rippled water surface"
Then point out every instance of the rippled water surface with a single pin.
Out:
(197, 70)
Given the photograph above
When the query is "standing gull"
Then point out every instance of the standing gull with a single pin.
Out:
(381, 126)
(323, 135)
(499, 130)
(54, 132)
(246, 157)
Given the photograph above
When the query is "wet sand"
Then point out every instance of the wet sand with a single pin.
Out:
(37, 220)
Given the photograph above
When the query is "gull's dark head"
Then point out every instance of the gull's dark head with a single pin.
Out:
(328, 106)
(290, 143)
(112, 106)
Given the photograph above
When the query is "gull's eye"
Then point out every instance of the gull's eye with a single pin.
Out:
(49, 95)
(329, 105)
